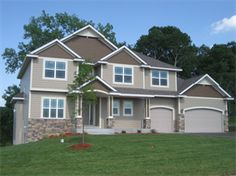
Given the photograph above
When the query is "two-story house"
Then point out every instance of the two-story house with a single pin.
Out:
(134, 92)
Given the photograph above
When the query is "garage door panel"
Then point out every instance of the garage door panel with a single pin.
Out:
(203, 120)
(161, 120)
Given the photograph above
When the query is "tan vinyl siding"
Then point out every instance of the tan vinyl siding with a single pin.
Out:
(25, 87)
(25, 80)
(18, 125)
(134, 121)
(172, 81)
(55, 51)
(193, 102)
(89, 48)
(36, 103)
(137, 77)
(39, 82)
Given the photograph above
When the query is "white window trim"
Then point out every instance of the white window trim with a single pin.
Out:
(64, 108)
(55, 60)
(168, 79)
(123, 66)
(118, 114)
(132, 108)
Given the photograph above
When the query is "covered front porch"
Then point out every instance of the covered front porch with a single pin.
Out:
(115, 112)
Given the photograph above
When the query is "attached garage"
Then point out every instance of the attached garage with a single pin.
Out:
(203, 120)
(162, 119)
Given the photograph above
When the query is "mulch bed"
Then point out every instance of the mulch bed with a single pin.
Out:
(80, 146)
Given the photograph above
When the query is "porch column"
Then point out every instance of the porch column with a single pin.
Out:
(180, 124)
(110, 119)
(147, 119)
(78, 111)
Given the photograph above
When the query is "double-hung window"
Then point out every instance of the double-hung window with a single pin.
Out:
(128, 108)
(116, 108)
(123, 74)
(55, 69)
(53, 108)
(159, 78)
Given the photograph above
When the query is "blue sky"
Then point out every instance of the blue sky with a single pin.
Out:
(207, 22)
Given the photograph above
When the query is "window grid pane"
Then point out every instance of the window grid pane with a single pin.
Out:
(159, 78)
(53, 108)
(123, 75)
(55, 69)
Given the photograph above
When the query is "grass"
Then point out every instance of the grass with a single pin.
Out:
(126, 155)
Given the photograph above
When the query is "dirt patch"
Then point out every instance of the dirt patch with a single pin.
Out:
(80, 146)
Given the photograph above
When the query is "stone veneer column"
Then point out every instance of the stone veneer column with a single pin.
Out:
(147, 123)
(39, 128)
(147, 120)
(110, 120)
(180, 123)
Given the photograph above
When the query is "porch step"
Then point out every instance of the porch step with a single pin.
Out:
(97, 131)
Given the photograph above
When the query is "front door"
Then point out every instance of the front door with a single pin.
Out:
(92, 114)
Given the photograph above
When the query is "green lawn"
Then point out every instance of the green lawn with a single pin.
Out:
(128, 154)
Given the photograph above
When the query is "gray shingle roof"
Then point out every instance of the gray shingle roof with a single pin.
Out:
(183, 84)
(19, 95)
(154, 62)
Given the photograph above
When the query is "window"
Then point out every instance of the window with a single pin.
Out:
(55, 69)
(53, 108)
(128, 108)
(159, 78)
(123, 75)
(116, 108)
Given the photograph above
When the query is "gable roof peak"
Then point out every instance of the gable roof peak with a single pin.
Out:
(89, 26)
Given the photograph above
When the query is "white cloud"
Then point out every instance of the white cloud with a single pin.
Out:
(224, 25)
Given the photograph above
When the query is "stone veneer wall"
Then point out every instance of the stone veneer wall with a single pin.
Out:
(39, 128)
(147, 123)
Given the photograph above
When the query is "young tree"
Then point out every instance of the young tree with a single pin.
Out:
(85, 92)
(46, 28)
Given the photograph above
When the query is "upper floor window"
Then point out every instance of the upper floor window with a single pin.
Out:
(159, 78)
(128, 108)
(55, 69)
(116, 108)
(123, 74)
(53, 108)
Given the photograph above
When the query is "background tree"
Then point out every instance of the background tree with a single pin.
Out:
(6, 116)
(44, 29)
(220, 62)
(86, 93)
(170, 45)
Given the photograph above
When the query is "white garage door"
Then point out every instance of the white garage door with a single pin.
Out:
(203, 120)
(162, 119)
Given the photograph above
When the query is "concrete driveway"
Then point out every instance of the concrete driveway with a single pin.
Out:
(230, 135)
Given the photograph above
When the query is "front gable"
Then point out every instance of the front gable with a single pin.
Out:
(202, 90)
(123, 57)
(55, 51)
(96, 85)
(205, 86)
(89, 48)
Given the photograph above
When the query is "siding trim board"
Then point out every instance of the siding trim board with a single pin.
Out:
(203, 107)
